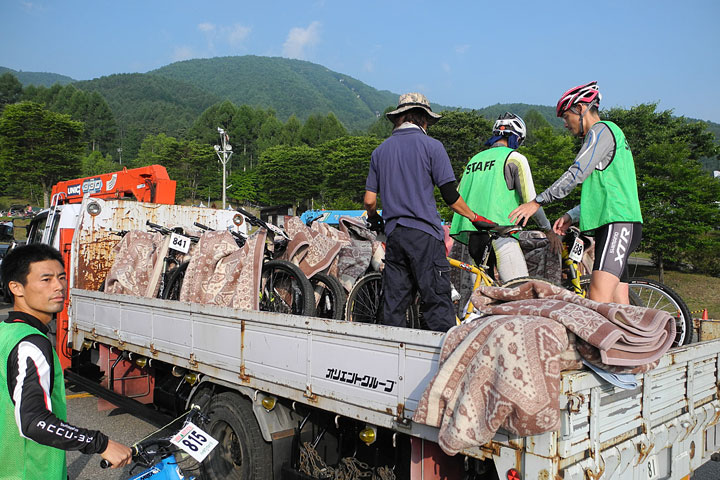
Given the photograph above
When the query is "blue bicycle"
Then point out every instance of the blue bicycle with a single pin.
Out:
(167, 441)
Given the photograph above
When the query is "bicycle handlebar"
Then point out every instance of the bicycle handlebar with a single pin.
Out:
(143, 450)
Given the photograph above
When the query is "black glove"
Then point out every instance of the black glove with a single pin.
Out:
(376, 223)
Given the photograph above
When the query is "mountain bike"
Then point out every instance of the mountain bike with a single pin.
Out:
(178, 246)
(283, 286)
(156, 452)
(365, 300)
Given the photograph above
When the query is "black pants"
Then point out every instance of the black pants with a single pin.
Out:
(415, 261)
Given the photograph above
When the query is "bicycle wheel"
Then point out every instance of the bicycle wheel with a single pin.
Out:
(284, 288)
(652, 294)
(365, 300)
(648, 293)
(173, 284)
(365, 303)
(329, 295)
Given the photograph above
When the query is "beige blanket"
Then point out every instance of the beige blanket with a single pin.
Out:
(135, 258)
(221, 273)
(503, 370)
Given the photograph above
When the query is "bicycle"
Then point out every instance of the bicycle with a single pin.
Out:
(283, 286)
(365, 299)
(165, 442)
(178, 247)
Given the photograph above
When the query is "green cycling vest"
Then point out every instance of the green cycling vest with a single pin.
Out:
(485, 191)
(25, 459)
(610, 193)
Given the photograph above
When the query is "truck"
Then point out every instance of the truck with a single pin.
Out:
(295, 397)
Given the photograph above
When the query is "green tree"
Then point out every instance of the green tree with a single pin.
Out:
(346, 162)
(677, 197)
(95, 164)
(290, 175)
(382, 127)
(38, 147)
(549, 157)
(318, 129)
(10, 89)
(245, 187)
(462, 134)
(534, 121)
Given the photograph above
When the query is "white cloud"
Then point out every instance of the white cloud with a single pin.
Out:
(32, 7)
(183, 53)
(299, 39)
(237, 34)
(461, 49)
(445, 67)
(206, 27)
(369, 66)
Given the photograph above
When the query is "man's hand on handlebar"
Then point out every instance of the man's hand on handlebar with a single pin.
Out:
(376, 223)
(117, 454)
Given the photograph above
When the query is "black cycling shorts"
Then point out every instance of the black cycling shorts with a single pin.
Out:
(614, 242)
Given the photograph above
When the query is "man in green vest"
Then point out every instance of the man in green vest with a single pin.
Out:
(34, 433)
(609, 203)
(494, 183)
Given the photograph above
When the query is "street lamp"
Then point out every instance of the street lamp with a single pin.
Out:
(224, 152)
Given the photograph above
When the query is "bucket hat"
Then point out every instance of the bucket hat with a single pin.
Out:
(408, 101)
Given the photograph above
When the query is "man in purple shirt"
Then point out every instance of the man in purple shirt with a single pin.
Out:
(404, 170)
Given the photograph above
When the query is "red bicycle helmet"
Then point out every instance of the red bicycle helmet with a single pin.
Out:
(588, 93)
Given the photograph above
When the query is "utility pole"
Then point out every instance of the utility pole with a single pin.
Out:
(224, 152)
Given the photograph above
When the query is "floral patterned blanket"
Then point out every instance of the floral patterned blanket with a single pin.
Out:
(503, 370)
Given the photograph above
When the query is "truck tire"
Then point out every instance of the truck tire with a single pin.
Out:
(242, 453)
(284, 288)
(330, 296)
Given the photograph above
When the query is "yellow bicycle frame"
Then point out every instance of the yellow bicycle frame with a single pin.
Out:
(481, 278)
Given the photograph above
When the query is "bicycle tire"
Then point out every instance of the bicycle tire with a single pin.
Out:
(647, 293)
(365, 303)
(284, 288)
(174, 282)
(330, 296)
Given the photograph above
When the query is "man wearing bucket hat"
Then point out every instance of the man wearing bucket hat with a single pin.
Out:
(404, 170)
(609, 203)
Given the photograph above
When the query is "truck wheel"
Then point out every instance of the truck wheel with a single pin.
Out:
(242, 453)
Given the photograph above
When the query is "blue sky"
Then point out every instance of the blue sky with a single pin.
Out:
(469, 54)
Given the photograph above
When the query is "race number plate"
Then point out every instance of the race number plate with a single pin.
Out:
(180, 243)
(652, 471)
(576, 252)
(194, 441)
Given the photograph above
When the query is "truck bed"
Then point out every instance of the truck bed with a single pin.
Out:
(665, 428)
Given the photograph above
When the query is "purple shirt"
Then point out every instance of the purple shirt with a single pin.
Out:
(404, 171)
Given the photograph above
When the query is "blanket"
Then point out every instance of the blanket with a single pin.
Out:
(135, 258)
(503, 370)
(221, 273)
(362, 252)
(313, 249)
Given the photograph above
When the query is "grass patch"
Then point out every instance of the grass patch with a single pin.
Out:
(698, 291)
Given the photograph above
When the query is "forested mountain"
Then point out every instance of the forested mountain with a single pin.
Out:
(38, 78)
(290, 87)
(146, 104)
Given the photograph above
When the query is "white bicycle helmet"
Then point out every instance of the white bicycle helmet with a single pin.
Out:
(509, 123)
